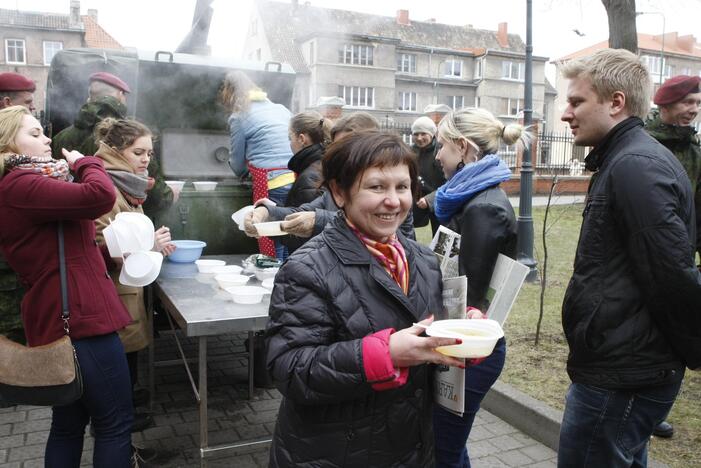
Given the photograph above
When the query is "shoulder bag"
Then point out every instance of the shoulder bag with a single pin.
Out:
(47, 375)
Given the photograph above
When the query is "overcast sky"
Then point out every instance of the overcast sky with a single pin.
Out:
(162, 24)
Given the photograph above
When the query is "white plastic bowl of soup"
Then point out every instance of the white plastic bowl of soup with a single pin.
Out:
(479, 336)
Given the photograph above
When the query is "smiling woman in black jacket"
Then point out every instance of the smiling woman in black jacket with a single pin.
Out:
(472, 204)
(355, 392)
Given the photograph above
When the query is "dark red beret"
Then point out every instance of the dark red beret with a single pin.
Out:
(111, 80)
(10, 81)
(676, 88)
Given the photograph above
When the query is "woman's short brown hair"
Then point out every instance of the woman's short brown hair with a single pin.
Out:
(346, 160)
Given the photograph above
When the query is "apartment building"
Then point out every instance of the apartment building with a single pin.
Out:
(30, 40)
(665, 56)
(393, 67)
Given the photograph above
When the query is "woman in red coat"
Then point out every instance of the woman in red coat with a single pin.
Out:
(36, 192)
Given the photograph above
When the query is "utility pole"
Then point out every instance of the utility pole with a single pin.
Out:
(525, 208)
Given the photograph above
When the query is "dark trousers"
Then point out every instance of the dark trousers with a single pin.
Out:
(611, 428)
(451, 431)
(106, 401)
(279, 196)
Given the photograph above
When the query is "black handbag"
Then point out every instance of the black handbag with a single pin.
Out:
(47, 375)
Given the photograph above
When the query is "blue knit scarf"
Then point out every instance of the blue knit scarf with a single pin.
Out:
(466, 183)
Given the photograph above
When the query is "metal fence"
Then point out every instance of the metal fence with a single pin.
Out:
(552, 153)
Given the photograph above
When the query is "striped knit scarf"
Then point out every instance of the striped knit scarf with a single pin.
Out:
(46, 166)
(390, 255)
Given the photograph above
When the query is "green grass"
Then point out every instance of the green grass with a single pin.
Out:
(540, 371)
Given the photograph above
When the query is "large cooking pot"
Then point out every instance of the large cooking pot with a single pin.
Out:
(175, 95)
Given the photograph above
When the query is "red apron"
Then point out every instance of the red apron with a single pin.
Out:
(266, 246)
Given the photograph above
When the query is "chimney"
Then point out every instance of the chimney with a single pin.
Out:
(93, 14)
(686, 43)
(75, 13)
(503, 35)
(403, 17)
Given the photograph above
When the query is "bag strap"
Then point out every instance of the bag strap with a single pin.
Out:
(65, 312)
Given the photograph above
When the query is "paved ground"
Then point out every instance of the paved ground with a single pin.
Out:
(24, 430)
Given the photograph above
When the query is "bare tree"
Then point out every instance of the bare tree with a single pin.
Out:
(623, 33)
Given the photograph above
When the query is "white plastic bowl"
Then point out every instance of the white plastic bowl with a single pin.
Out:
(228, 280)
(227, 270)
(270, 229)
(203, 186)
(264, 273)
(247, 294)
(240, 215)
(479, 336)
(175, 184)
(268, 283)
(208, 265)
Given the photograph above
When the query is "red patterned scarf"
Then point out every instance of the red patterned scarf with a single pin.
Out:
(391, 256)
(46, 166)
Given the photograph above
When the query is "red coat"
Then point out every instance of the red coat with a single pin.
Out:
(30, 206)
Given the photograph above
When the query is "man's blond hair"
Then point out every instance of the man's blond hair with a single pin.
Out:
(612, 70)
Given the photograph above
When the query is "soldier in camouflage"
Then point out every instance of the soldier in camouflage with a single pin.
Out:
(678, 101)
(15, 90)
(107, 98)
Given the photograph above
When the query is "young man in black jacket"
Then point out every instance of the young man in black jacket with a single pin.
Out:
(632, 310)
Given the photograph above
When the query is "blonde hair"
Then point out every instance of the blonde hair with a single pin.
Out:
(312, 124)
(234, 93)
(10, 123)
(612, 70)
(481, 128)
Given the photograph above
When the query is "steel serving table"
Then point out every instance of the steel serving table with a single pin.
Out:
(201, 309)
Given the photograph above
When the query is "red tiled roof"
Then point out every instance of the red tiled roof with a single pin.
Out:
(674, 44)
(96, 37)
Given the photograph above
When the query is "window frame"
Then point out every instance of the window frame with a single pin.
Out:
(356, 54)
(452, 74)
(406, 60)
(44, 44)
(402, 98)
(453, 99)
(7, 51)
(520, 70)
(354, 93)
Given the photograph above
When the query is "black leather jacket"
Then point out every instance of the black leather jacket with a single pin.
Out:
(306, 163)
(328, 296)
(632, 310)
(487, 225)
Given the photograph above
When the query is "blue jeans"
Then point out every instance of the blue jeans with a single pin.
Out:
(106, 401)
(279, 196)
(611, 427)
(451, 431)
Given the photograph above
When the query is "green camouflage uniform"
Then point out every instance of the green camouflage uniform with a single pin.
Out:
(686, 146)
(79, 136)
(10, 299)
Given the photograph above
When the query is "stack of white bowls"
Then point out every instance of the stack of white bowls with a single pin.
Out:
(131, 237)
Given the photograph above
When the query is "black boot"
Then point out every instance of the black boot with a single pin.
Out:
(664, 430)
(141, 421)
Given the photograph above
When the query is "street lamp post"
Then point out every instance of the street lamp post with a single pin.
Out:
(664, 21)
(525, 208)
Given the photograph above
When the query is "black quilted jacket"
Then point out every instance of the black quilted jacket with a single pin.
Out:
(328, 295)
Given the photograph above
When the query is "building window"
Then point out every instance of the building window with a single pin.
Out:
(511, 106)
(654, 65)
(478, 101)
(452, 69)
(685, 71)
(455, 102)
(356, 54)
(50, 49)
(406, 63)
(357, 96)
(479, 64)
(406, 101)
(512, 70)
(14, 51)
(311, 52)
